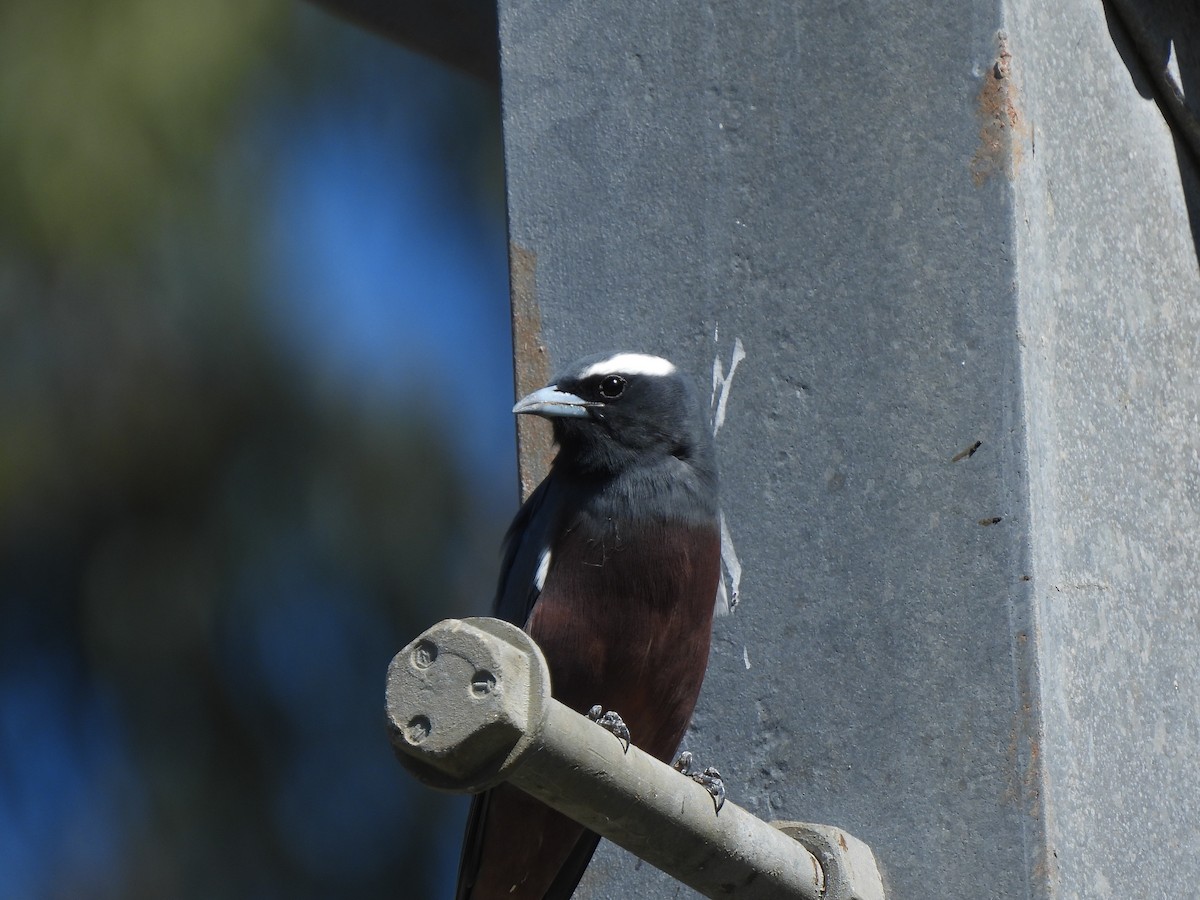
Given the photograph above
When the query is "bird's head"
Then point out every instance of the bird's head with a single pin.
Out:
(615, 410)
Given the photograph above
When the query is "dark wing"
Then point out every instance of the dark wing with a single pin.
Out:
(468, 863)
(572, 871)
(516, 592)
(572, 858)
(528, 536)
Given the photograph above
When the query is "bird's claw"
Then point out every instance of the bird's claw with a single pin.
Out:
(709, 779)
(612, 722)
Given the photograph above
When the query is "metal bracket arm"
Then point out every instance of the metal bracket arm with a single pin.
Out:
(469, 706)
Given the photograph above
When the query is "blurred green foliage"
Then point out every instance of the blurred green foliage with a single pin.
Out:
(205, 561)
(113, 108)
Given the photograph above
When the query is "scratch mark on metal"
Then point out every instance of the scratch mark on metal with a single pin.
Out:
(966, 453)
(746, 658)
(722, 382)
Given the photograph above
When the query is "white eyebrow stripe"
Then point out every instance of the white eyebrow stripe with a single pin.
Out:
(630, 364)
(539, 579)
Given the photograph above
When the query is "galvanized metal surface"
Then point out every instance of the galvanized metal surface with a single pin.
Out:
(871, 200)
(1106, 240)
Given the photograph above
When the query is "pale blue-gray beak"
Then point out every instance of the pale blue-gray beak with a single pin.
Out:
(550, 401)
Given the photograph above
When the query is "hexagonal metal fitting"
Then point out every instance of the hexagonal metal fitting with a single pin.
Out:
(465, 700)
(850, 869)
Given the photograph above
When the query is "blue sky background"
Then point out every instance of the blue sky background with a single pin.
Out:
(389, 271)
(389, 278)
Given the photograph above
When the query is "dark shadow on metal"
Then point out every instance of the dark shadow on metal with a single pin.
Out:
(1150, 35)
(460, 33)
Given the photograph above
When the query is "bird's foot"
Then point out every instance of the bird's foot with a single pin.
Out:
(610, 721)
(709, 779)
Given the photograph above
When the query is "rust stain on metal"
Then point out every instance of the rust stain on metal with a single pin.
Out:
(531, 367)
(1027, 772)
(1002, 129)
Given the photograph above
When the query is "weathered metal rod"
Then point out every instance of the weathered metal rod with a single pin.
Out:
(469, 706)
(665, 818)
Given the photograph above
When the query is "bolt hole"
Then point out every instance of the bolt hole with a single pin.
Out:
(483, 683)
(424, 654)
(417, 729)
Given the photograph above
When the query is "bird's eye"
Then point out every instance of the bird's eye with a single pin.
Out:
(612, 387)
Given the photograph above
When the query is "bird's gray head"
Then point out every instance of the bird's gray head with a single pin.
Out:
(616, 410)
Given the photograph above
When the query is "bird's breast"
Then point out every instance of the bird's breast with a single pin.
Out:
(625, 618)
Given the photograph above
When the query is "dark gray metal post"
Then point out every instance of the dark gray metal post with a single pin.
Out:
(959, 448)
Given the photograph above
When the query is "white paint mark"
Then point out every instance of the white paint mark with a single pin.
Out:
(728, 595)
(539, 579)
(728, 591)
(630, 364)
(746, 658)
(722, 382)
